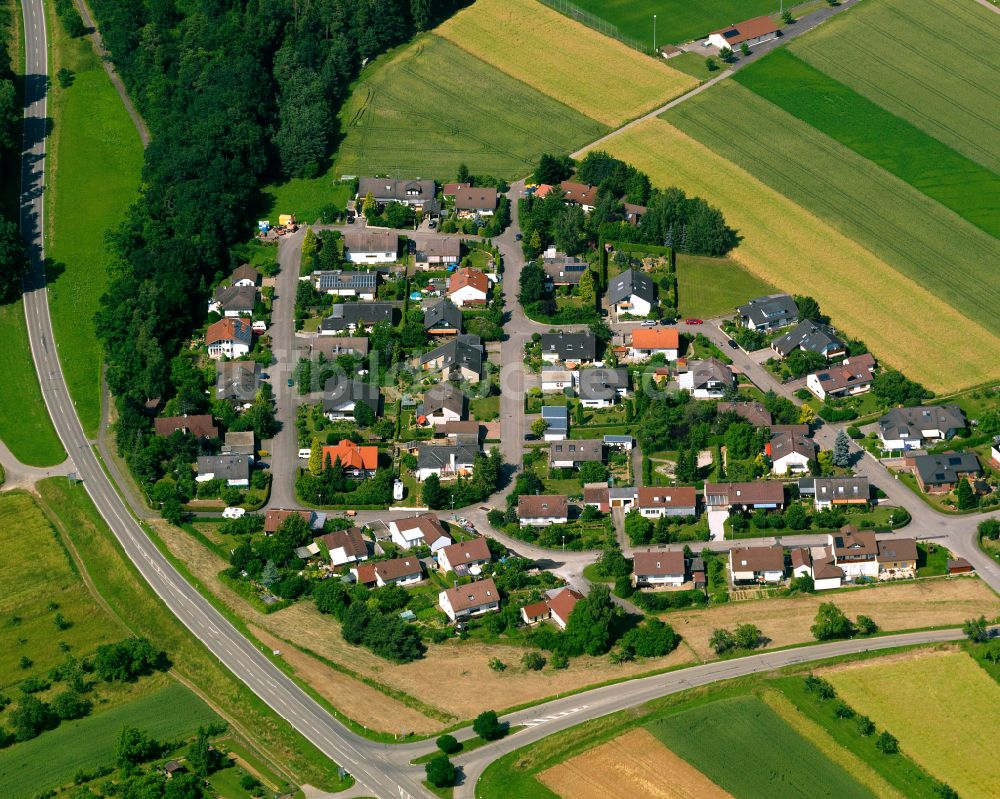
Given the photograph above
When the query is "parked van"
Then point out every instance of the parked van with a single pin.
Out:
(305, 453)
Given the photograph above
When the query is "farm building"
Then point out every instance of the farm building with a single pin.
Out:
(751, 32)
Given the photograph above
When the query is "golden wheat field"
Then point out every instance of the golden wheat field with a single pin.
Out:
(904, 324)
(590, 73)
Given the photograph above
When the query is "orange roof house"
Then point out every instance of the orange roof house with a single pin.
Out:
(352, 456)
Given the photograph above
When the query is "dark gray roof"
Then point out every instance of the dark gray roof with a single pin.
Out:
(908, 422)
(434, 456)
(832, 489)
(338, 279)
(461, 352)
(947, 467)
(772, 311)
(576, 450)
(357, 313)
(225, 467)
(340, 390)
(570, 346)
(710, 372)
(810, 337)
(236, 298)
(404, 191)
(444, 396)
(564, 269)
(442, 314)
(557, 416)
(631, 282)
(236, 380)
(602, 383)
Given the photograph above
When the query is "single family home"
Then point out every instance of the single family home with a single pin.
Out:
(647, 342)
(790, 452)
(897, 557)
(768, 313)
(766, 494)
(632, 293)
(415, 193)
(245, 275)
(397, 571)
(200, 425)
(573, 453)
(708, 379)
(345, 546)
(446, 461)
(468, 286)
(569, 348)
(234, 469)
(554, 379)
(657, 501)
(541, 510)
(371, 246)
(753, 412)
(357, 461)
(601, 387)
(424, 530)
(810, 337)
(473, 599)
(443, 402)
(476, 201)
(339, 283)
(230, 338)
(232, 301)
(856, 552)
(828, 492)
(342, 395)
(750, 32)
(941, 473)
(438, 252)
(911, 428)
(236, 382)
(658, 568)
(442, 318)
(352, 316)
(849, 377)
(757, 565)
(463, 556)
(458, 359)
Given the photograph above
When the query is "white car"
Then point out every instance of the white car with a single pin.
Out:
(233, 513)
(648, 323)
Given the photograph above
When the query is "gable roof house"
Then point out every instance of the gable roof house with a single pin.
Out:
(415, 193)
(275, 517)
(476, 201)
(330, 346)
(461, 557)
(234, 469)
(233, 300)
(424, 530)
(447, 461)
(658, 568)
(910, 428)
(829, 491)
(358, 461)
(245, 275)
(573, 453)
(634, 213)
(554, 379)
(849, 377)
(459, 359)
(557, 419)
(199, 425)
(597, 495)
(436, 251)
(810, 337)
(562, 269)
(236, 381)
(443, 403)
(541, 510)
(790, 452)
(339, 283)
(579, 194)
(600, 387)
(656, 501)
(767, 494)
(468, 286)
(353, 316)
(823, 568)
(753, 412)
(632, 292)
(646, 342)
(244, 443)
(856, 551)
(345, 546)
(768, 313)
(939, 474)
(473, 599)
(897, 557)
(230, 337)
(708, 379)
(341, 395)
(569, 348)
(750, 32)
(561, 605)
(757, 564)
(398, 571)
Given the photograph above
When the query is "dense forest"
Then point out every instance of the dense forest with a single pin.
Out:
(236, 93)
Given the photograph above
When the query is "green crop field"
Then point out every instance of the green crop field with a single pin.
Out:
(714, 286)
(746, 748)
(917, 236)
(431, 106)
(964, 186)
(54, 757)
(94, 166)
(959, 104)
(25, 426)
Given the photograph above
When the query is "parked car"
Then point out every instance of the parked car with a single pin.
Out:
(693, 322)
(432, 224)
(265, 376)
(291, 382)
(668, 320)
(733, 345)
(517, 237)
(233, 513)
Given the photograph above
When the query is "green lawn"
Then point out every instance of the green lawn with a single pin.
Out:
(694, 65)
(25, 426)
(708, 287)
(747, 749)
(429, 107)
(305, 197)
(485, 409)
(966, 187)
(932, 560)
(957, 105)
(51, 759)
(911, 232)
(94, 168)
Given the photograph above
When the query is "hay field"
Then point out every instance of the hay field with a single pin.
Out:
(576, 65)
(943, 708)
(633, 764)
(903, 323)
(431, 106)
(926, 603)
(959, 105)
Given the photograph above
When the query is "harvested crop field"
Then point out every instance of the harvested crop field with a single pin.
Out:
(543, 48)
(925, 603)
(633, 764)
(943, 708)
(790, 247)
(958, 105)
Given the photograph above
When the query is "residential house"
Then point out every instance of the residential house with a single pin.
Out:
(801, 562)
(597, 495)
(233, 301)
(939, 474)
(275, 517)
(473, 599)
(197, 425)
(236, 382)
(352, 316)
(415, 193)
(768, 313)
(623, 443)
(245, 275)
(345, 546)
(443, 403)
(562, 269)
(561, 605)
(856, 552)
(229, 337)
(341, 395)
(339, 283)
(995, 452)
(541, 510)
(438, 252)
(464, 556)
(601, 387)
(824, 570)
(535, 612)
(240, 444)
(398, 571)
(447, 462)
(424, 530)
(911, 428)
(234, 469)
(897, 557)
(751, 33)
(358, 461)
(827, 492)
(646, 342)
(634, 213)
(849, 377)
(468, 286)
(753, 412)
(451, 189)
(557, 419)
(766, 494)
(790, 452)
(658, 568)
(468, 432)
(458, 359)
(476, 201)
(556, 379)
(757, 565)
(810, 337)
(656, 501)
(569, 348)
(331, 347)
(579, 194)
(632, 292)
(573, 453)
(708, 379)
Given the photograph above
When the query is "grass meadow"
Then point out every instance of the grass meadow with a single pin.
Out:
(787, 245)
(744, 747)
(304, 197)
(94, 163)
(25, 426)
(916, 235)
(943, 708)
(542, 48)
(429, 107)
(958, 183)
(960, 105)
(713, 286)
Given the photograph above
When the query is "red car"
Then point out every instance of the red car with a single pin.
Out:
(693, 321)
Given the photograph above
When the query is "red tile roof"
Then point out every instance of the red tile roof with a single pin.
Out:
(658, 564)
(274, 518)
(352, 456)
(668, 497)
(229, 329)
(562, 604)
(468, 277)
(750, 29)
(655, 338)
(200, 426)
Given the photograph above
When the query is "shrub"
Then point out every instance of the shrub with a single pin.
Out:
(497, 665)
(866, 625)
(448, 744)
(533, 661)
(843, 711)
(886, 743)
(558, 660)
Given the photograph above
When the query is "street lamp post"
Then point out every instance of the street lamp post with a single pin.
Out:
(654, 34)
